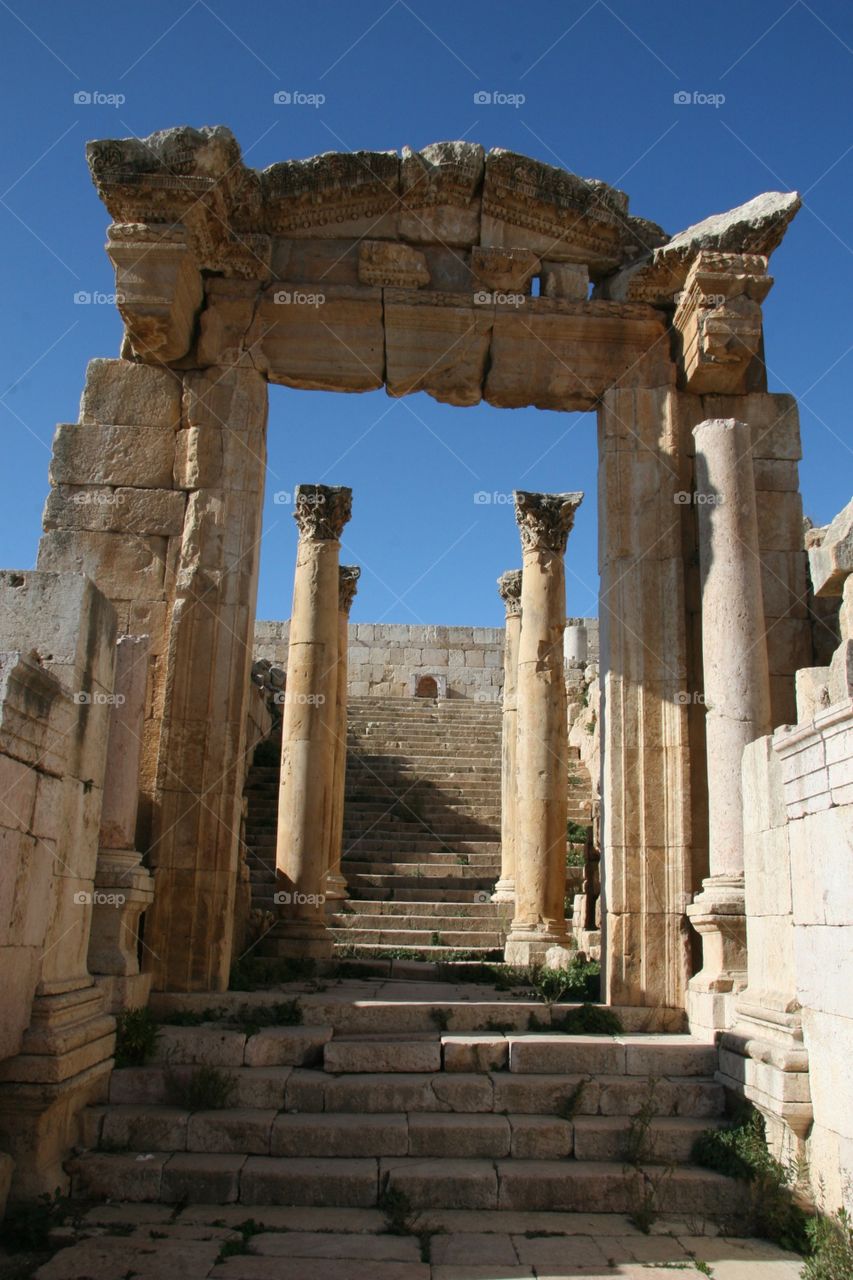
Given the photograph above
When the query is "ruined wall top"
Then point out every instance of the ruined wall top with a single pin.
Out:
(449, 193)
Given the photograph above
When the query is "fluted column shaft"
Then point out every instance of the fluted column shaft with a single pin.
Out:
(542, 741)
(736, 685)
(309, 724)
(336, 885)
(509, 586)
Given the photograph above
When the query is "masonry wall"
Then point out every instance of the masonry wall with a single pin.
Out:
(386, 658)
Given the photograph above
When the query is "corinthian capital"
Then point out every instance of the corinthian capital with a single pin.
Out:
(322, 510)
(509, 586)
(348, 576)
(545, 519)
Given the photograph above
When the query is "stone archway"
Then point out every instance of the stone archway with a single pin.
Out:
(426, 687)
(349, 272)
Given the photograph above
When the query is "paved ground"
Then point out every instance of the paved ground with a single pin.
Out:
(150, 1242)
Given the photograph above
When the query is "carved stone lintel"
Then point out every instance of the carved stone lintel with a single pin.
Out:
(504, 269)
(398, 266)
(322, 510)
(348, 576)
(718, 320)
(509, 588)
(546, 519)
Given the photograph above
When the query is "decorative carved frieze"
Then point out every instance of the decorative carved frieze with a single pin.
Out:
(328, 193)
(399, 266)
(158, 287)
(545, 520)
(505, 269)
(321, 511)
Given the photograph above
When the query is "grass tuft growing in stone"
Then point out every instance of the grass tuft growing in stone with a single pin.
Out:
(136, 1037)
(206, 1089)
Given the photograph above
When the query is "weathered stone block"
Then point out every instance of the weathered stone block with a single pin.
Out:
(92, 454)
(120, 391)
(120, 510)
(115, 562)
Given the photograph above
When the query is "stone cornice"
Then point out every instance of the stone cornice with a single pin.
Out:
(545, 519)
(321, 511)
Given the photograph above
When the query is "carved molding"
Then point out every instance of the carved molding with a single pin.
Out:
(321, 511)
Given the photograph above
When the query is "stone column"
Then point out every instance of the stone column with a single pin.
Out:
(123, 887)
(310, 723)
(539, 926)
(737, 699)
(509, 586)
(336, 885)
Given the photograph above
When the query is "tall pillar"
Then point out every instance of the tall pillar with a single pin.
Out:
(545, 520)
(310, 724)
(737, 699)
(123, 887)
(509, 586)
(336, 885)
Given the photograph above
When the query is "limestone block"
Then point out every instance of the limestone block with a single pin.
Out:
(528, 204)
(120, 510)
(130, 394)
(789, 645)
(572, 1054)
(207, 1046)
(238, 1130)
(318, 262)
(821, 857)
(761, 782)
(139, 456)
(565, 355)
(333, 341)
(435, 1184)
(232, 399)
(540, 1137)
(831, 554)
(824, 969)
(299, 1181)
(118, 564)
(340, 1135)
(287, 1046)
(475, 1053)
(213, 1178)
(440, 193)
(775, 474)
(829, 1041)
(506, 270)
(780, 521)
(436, 345)
(565, 280)
(783, 584)
(395, 265)
(459, 1137)
(355, 193)
(773, 419)
(227, 333)
(149, 1128)
(45, 612)
(158, 288)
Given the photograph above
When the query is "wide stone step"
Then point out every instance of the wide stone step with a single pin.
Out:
(437, 894)
(421, 939)
(457, 879)
(446, 868)
(476, 913)
(431, 951)
(428, 1183)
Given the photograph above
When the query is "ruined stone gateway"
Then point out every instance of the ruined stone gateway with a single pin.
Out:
(129, 712)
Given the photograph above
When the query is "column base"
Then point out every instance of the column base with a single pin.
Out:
(504, 890)
(718, 913)
(542, 945)
(64, 1065)
(337, 889)
(299, 939)
(763, 1058)
(124, 992)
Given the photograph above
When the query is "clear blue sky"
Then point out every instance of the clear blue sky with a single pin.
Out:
(598, 79)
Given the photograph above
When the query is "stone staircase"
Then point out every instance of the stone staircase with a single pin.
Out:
(421, 829)
(439, 1092)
